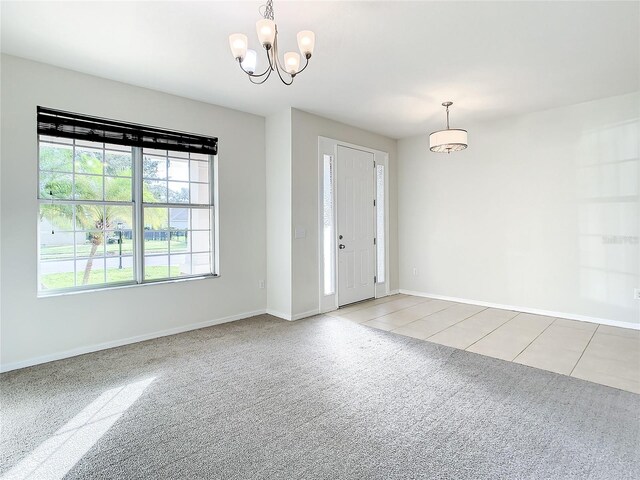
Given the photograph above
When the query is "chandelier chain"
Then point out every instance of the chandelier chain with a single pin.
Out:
(266, 10)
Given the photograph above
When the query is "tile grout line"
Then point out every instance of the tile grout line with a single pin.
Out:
(433, 313)
(454, 324)
(537, 336)
(363, 304)
(508, 320)
(585, 349)
(406, 308)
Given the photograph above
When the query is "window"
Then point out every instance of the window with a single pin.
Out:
(118, 209)
(380, 240)
(328, 229)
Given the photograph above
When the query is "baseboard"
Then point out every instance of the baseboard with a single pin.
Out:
(126, 341)
(394, 292)
(309, 313)
(536, 311)
(298, 316)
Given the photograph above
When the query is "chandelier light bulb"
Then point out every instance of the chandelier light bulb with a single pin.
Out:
(238, 43)
(250, 60)
(292, 62)
(266, 29)
(306, 42)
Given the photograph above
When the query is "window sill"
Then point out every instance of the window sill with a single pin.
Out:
(106, 288)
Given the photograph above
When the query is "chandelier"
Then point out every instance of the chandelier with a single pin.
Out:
(449, 140)
(268, 36)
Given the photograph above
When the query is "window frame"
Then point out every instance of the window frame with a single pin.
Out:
(137, 227)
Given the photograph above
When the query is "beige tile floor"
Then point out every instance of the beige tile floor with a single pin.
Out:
(593, 352)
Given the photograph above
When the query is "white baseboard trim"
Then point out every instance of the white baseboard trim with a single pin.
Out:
(536, 311)
(297, 316)
(7, 367)
(275, 313)
(309, 313)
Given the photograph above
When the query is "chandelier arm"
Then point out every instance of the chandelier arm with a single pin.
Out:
(283, 80)
(305, 66)
(261, 81)
(252, 74)
(270, 54)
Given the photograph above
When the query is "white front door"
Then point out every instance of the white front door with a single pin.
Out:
(355, 211)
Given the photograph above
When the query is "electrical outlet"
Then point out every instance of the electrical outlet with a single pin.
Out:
(636, 293)
(415, 272)
(260, 284)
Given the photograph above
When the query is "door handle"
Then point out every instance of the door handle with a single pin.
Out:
(341, 247)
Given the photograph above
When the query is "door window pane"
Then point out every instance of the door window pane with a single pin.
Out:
(380, 231)
(328, 232)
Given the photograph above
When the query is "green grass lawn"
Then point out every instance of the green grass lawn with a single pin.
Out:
(66, 279)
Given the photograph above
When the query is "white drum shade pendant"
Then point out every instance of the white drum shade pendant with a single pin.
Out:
(449, 140)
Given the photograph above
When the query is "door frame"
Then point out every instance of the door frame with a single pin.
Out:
(329, 146)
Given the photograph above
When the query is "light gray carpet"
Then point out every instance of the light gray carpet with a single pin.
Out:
(324, 398)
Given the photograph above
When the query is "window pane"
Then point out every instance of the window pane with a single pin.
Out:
(88, 187)
(200, 193)
(199, 156)
(56, 246)
(156, 230)
(118, 163)
(118, 217)
(120, 269)
(57, 158)
(154, 167)
(56, 185)
(178, 170)
(199, 171)
(89, 216)
(380, 238)
(200, 241)
(90, 271)
(200, 218)
(118, 189)
(156, 267)
(201, 264)
(55, 218)
(179, 241)
(179, 218)
(89, 244)
(154, 191)
(119, 242)
(180, 265)
(89, 160)
(178, 192)
(156, 218)
(57, 274)
(328, 235)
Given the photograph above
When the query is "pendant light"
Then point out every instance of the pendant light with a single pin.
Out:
(449, 140)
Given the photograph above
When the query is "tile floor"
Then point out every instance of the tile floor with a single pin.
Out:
(593, 352)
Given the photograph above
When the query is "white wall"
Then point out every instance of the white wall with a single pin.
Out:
(278, 153)
(541, 211)
(34, 328)
(306, 128)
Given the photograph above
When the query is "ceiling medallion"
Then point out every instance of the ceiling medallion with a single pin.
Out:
(268, 36)
(449, 140)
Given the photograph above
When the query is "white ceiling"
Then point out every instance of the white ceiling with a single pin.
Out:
(383, 66)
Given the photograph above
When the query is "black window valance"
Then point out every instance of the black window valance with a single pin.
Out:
(57, 123)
